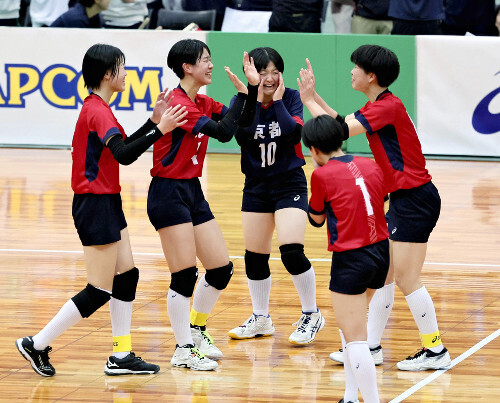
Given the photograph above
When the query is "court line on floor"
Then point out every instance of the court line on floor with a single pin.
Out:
(440, 372)
(237, 257)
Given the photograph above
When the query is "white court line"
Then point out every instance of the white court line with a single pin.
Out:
(239, 257)
(440, 372)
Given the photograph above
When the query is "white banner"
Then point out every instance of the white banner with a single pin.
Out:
(41, 88)
(458, 101)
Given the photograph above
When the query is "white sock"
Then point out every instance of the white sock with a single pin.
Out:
(121, 320)
(68, 316)
(378, 313)
(351, 385)
(305, 283)
(259, 292)
(205, 296)
(363, 368)
(178, 308)
(424, 313)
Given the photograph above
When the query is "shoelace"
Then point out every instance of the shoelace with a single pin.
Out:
(207, 337)
(305, 322)
(196, 353)
(419, 354)
(249, 321)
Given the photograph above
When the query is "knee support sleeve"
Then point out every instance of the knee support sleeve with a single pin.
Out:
(90, 299)
(183, 281)
(257, 265)
(219, 277)
(125, 285)
(294, 259)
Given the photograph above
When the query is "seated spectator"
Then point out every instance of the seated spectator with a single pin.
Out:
(85, 14)
(296, 16)
(45, 12)
(256, 5)
(371, 17)
(342, 11)
(125, 14)
(416, 17)
(9, 13)
(476, 17)
(218, 5)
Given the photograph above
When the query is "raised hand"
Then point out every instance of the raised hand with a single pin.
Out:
(306, 86)
(278, 94)
(251, 72)
(162, 103)
(310, 69)
(171, 118)
(260, 92)
(240, 87)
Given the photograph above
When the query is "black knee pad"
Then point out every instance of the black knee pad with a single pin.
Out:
(294, 259)
(257, 265)
(90, 299)
(125, 284)
(183, 281)
(219, 277)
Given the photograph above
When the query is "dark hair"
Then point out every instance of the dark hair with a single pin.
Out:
(379, 60)
(324, 133)
(98, 60)
(262, 57)
(185, 51)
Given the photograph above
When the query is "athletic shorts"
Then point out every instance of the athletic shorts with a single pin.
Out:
(98, 218)
(269, 194)
(355, 270)
(177, 201)
(413, 213)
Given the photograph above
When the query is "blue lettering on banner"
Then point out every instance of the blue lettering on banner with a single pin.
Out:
(483, 121)
(62, 86)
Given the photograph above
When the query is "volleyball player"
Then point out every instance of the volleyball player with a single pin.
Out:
(177, 207)
(348, 193)
(415, 203)
(275, 195)
(99, 146)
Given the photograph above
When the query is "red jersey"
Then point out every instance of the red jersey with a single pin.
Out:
(180, 154)
(350, 191)
(95, 170)
(394, 142)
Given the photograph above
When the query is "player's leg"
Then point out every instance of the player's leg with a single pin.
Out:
(350, 312)
(408, 259)
(258, 232)
(179, 247)
(123, 361)
(291, 227)
(212, 251)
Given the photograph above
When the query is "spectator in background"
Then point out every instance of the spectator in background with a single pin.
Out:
(342, 11)
(125, 14)
(371, 17)
(218, 5)
(497, 19)
(296, 16)
(45, 12)
(416, 17)
(476, 17)
(9, 13)
(256, 5)
(85, 14)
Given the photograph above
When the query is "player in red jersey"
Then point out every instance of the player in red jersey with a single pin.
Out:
(348, 193)
(415, 203)
(275, 195)
(99, 146)
(177, 207)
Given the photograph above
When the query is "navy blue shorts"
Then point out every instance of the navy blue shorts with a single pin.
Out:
(269, 194)
(413, 213)
(177, 201)
(98, 218)
(355, 270)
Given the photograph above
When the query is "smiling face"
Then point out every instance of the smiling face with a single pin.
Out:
(271, 78)
(202, 70)
(117, 82)
(360, 79)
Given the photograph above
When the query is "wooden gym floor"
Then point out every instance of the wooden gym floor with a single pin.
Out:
(41, 267)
